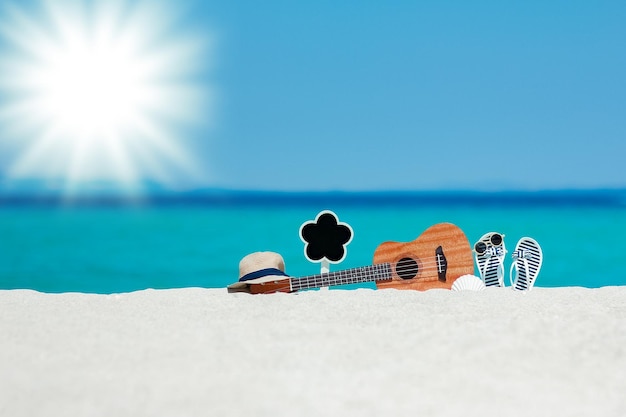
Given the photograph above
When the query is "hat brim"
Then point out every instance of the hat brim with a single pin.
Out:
(244, 285)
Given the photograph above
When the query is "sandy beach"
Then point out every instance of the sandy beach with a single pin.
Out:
(189, 352)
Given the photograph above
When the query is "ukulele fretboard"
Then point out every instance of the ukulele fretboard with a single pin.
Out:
(378, 272)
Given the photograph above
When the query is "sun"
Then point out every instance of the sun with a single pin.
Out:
(101, 92)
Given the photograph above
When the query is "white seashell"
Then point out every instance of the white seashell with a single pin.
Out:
(468, 283)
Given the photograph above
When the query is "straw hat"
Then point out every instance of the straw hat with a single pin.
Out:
(259, 267)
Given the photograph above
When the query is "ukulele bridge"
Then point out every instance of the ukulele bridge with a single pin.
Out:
(442, 264)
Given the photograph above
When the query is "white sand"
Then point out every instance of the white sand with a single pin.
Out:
(196, 352)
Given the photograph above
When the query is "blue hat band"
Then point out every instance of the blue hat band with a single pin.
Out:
(262, 273)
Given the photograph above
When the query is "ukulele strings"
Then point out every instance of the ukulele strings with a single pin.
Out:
(372, 273)
(431, 265)
(320, 280)
(415, 268)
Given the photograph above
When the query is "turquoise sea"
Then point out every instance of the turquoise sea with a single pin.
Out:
(109, 245)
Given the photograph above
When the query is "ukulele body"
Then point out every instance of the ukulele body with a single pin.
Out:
(439, 256)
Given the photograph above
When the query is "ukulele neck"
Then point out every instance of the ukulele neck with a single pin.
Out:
(378, 272)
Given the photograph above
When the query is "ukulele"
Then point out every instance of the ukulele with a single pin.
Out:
(435, 259)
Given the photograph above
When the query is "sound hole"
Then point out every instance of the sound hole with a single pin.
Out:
(406, 268)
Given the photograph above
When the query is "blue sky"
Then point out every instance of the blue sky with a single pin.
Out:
(369, 95)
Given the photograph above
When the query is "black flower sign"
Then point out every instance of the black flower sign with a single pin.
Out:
(325, 238)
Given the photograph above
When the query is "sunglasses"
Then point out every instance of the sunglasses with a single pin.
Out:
(495, 240)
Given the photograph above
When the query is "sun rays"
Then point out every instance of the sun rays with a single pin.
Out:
(100, 93)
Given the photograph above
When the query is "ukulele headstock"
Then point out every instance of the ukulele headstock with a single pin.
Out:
(281, 285)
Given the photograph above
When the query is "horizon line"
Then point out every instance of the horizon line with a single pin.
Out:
(232, 197)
